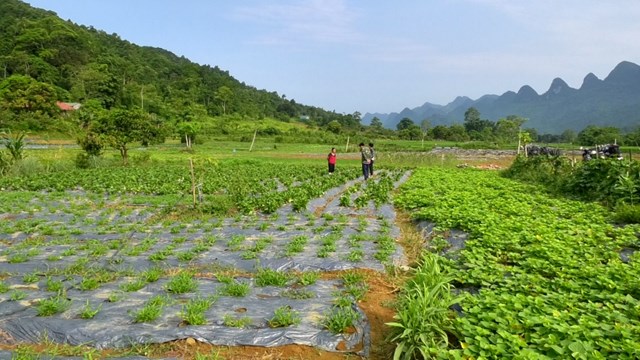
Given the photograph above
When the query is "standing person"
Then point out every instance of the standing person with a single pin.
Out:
(365, 152)
(373, 157)
(331, 159)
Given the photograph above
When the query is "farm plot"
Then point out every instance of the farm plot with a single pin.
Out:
(113, 270)
(545, 277)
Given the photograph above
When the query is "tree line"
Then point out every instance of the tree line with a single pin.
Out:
(153, 93)
(44, 59)
(507, 130)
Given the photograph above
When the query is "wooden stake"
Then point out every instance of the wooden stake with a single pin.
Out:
(193, 182)
(254, 140)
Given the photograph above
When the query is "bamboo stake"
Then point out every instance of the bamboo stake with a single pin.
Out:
(346, 148)
(193, 182)
(254, 140)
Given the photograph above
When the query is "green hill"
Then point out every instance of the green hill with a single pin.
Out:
(44, 59)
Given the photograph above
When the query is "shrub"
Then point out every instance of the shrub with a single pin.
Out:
(15, 144)
(627, 214)
(5, 163)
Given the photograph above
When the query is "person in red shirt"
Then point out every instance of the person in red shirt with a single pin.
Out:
(331, 158)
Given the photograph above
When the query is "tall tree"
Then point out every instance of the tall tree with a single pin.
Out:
(224, 94)
(405, 123)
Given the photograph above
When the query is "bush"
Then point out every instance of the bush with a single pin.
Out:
(141, 158)
(86, 161)
(5, 163)
(91, 143)
(627, 214)
(27, 167)
(218, 205)
(546, 170)
(610, 181)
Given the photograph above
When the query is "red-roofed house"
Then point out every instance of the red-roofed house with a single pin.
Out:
(67, 106)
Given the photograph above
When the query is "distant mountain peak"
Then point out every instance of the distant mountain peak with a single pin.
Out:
(624, 72)
(590, 81)
(526, 91)
(609, 102)
(557, 86)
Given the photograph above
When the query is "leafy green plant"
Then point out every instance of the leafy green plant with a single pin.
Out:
(193, 312)
(339, 319)
(17, 295)
(88, 283)
(284, 316)
(235, 288)
(186, 256)
(182, 283)
(423, 316)
(238, 322)
(355, 255)
(308, 278)
(152, 274)
(352, 278)
(627, 214)
(53, 305)
(235, 242)
(298, 294)
(151, 310)
(88, 312)
(270, 277)
(15, 144)
(213, 355)
(296, 245)
(132, 286)
(30, 278)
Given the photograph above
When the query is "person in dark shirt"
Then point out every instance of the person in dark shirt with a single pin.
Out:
(365, 153)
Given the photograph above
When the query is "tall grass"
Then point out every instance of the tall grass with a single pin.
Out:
(424, 319)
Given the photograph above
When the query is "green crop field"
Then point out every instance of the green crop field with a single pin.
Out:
(235, 247)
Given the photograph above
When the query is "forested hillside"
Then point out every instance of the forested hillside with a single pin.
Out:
(44, 59)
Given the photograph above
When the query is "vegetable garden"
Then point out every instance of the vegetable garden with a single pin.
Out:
(538, 277)
(118, 257)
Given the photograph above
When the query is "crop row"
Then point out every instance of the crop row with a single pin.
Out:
(249, 185)
(548, 273)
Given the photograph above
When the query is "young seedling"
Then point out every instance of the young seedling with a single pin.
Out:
(308, 278)
(17, 295)
(152, 274)
(193, 312)
(151, 311)
(270, 277)
(54, 285)
(30, 278)
(238, 322)
(53, 305)
(338, 320)
(182, 283)
(298, 294)
(235, 288)
(89, 312)
(284, 316)
(132, 286)
(88, 283)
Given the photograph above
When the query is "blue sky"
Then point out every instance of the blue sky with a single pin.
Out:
(379, 55)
